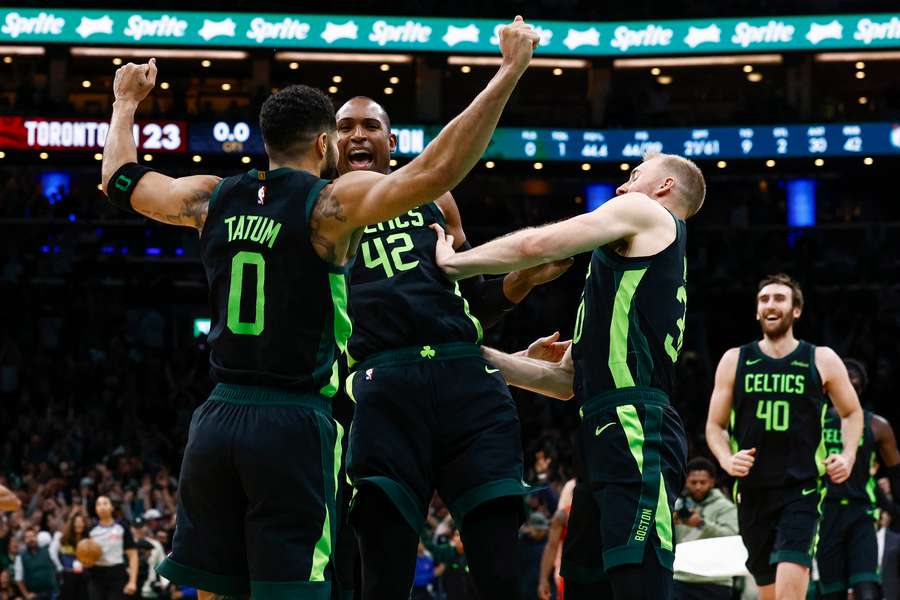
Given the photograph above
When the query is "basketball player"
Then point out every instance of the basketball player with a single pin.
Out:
(628, 333)
(848, 550)
(423, 390)
(257, 491)
(772, 395)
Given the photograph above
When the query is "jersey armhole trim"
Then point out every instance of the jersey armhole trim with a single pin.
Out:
(212, 201)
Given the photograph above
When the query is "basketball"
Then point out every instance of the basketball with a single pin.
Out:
(88, 552)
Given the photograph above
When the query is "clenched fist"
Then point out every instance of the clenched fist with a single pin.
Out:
(739, 464)
(133, 82)
(517, 43)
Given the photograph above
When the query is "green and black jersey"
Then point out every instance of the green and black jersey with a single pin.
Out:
(779, 409)
(860, 487)
(399, 296)
(629, 327)
(279, 314)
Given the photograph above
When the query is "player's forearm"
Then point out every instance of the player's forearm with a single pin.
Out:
(460, 144)
(851, 432)
(548, 557)
(550, 379)
(132, 566)
(717, 440)
(516, 287)
(119, 148)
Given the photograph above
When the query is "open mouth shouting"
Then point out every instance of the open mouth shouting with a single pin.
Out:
(360, 159)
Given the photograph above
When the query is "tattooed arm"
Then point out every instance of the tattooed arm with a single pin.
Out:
(362, 198)
(181, 201)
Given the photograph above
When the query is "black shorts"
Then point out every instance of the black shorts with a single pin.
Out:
(635, 451)
(434, 418)
(848, 547)
(779, 525)
(256, 509)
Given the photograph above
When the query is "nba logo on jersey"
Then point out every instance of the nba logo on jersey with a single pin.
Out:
(369, 374)
(261, 194)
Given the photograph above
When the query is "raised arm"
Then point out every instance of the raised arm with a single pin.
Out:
(548, 378)
(740, 463)
(620, 218)
(837, 385)
(181, 201)
(362, 198)
(490, 299)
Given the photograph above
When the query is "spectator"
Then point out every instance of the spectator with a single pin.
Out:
(35, 571)
(702, 512)
(150, 554)
(7, 590)
(456, 581)
(8, 559)
(532, 540)
(74, 582)
(109, 579)
(423, 584)
(552, 556)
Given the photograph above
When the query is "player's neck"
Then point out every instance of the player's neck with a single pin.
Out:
(779, 347)
(299, 164)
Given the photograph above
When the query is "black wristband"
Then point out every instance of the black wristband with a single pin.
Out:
(121, 185)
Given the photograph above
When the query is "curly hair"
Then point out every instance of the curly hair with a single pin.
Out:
(291, 119)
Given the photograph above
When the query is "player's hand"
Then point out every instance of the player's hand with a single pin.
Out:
(545, 273)
(517, 43)
(739, 464)
(543, 590)
(548, 348)
(443, 250)
(838, 467)
(133, 82)
(130, 589)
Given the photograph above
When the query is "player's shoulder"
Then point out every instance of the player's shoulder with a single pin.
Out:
(825, 356)
(731, 356)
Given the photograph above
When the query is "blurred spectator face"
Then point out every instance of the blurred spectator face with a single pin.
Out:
(163, 536)
(13, 547)
(885, 519)
(79, 524)
(104, 508)
(775, 310)
(5, 581)
(699, 484)
(31, 539)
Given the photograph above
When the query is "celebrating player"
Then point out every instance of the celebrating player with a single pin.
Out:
(423, 390)
(848, 549)
(772, 395)
(257, 490)
(629, 331)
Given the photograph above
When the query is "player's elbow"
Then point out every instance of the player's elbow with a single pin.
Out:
(535, 247)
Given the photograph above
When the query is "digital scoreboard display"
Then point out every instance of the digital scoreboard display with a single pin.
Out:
(621, 145)
(772, 141)
(39, 133)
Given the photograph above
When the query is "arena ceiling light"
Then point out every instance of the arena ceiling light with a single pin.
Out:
(553, 63)
(160, 53)
(343, 57)
(856, 56)
(23, 50)
(698, 61)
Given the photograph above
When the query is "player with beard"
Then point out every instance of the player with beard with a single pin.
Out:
(431, 413)
(629, 330)
(773, 395)
(256, 506)
(848, 551)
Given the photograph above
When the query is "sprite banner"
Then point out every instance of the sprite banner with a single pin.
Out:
(408, 34)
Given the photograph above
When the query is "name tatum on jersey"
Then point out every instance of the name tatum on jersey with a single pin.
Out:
(779, 409)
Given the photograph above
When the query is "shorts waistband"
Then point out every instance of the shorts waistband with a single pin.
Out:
(262, 396)
(414, 354)
(622, 397)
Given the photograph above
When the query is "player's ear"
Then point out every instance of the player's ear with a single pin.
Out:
(665, 186)
(322, 144)
(392, 142)
(797, 312)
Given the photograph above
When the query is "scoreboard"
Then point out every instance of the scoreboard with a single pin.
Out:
(764, 141)
(597, 145)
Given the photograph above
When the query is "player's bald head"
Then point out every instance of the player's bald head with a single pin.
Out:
(366, 105)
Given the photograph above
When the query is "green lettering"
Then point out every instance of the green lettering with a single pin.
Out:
(239, 229)
(417, 219)
(271, 233)
(257, 231)
(229, 221)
